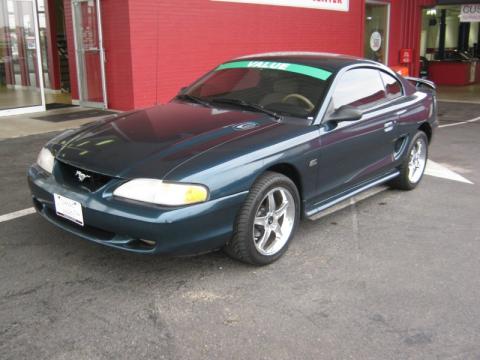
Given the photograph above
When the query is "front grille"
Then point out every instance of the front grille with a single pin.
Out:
(80, 178)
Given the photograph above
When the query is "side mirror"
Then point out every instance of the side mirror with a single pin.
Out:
(345, 113)
(182, 90)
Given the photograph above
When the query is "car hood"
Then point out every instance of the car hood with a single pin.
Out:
(159, 138)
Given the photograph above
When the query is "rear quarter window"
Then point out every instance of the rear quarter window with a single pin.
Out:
(393, 88)
(361, 88)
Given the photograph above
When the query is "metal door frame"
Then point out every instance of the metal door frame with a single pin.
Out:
(80, 58)
(34, 108)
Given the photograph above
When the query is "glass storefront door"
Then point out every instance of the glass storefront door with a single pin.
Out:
(21, 87)
(90, 53)
(376, 31)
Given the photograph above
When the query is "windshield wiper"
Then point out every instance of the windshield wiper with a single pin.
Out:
(244, 104)
(193, 99)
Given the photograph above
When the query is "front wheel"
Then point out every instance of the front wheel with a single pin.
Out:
(413, 167)
(267, 220)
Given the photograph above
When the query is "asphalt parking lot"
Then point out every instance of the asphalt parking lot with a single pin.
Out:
(395, 276)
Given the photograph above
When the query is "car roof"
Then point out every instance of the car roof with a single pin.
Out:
(327, 61)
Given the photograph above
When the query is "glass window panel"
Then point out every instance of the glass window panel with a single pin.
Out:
(90, 58)
(362, 88)
(41, 5)
(19, 73)
(392, 86)
(376, 22)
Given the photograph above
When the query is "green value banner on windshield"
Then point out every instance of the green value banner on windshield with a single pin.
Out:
(295, 68)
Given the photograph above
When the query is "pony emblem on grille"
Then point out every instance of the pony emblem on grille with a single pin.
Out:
(81, 176)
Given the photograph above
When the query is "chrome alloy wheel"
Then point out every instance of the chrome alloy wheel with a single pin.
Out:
(274, 221)
(418, 161)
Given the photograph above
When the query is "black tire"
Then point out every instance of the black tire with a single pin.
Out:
(402, 181)
(242, 246)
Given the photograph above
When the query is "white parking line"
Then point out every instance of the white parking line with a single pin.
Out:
(442, 171)
(16, 214)
(461, 122)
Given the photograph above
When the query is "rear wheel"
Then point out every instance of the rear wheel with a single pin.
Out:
(413, 167)
(267, 221)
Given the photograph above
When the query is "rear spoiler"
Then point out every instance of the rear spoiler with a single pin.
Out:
(421, 83)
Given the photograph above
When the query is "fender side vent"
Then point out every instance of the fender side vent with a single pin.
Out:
(400, 146)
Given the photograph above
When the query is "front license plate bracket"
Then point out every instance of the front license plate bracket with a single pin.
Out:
(68, 209)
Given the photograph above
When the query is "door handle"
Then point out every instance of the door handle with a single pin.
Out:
(388, 126)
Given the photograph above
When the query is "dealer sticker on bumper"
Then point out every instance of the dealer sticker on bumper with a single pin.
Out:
(68, 209)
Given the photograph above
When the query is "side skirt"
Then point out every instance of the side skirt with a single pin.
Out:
(335, 200)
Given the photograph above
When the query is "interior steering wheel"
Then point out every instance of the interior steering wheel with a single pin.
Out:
(304, 99)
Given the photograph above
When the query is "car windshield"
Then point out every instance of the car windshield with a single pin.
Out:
(281, 88)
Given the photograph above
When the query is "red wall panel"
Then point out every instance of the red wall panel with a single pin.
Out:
(405, 29)
(117, 44)
(450, 72)
(175, 42)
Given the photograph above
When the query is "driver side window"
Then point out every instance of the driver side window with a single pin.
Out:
(360, 88)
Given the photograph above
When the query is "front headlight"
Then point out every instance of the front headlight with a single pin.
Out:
(158, 192)
(46, 160)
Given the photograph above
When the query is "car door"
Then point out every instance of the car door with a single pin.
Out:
(354, 152)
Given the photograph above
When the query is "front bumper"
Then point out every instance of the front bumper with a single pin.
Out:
(122, 224)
